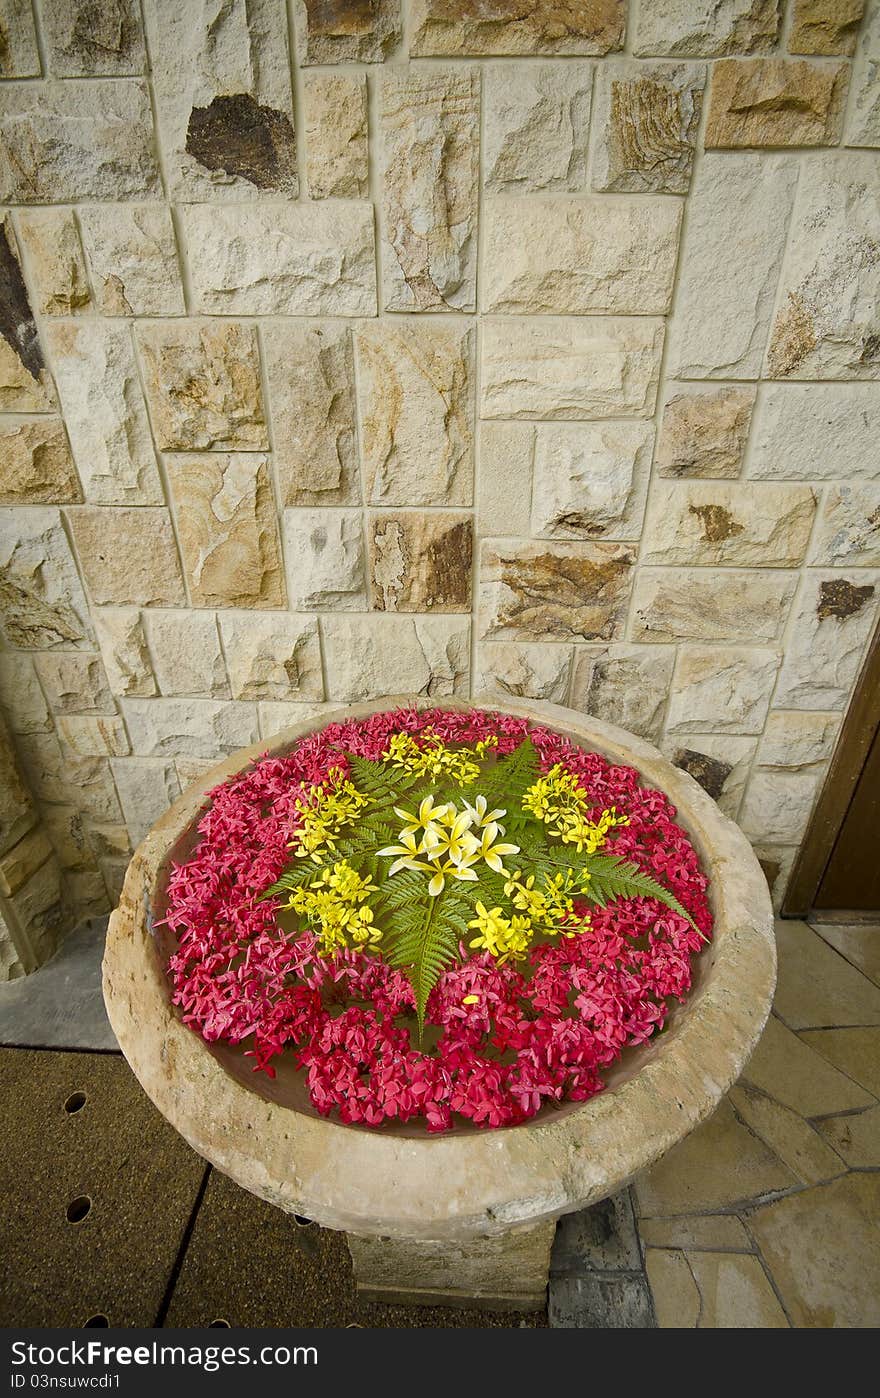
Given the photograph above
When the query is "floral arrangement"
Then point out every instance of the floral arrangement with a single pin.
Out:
(444, 914)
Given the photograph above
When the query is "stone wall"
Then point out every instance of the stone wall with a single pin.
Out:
(348, 350)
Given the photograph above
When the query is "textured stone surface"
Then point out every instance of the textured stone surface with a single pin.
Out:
(336, 135)
(23, 860)
(421, 562)
(788, 1068)
(576, 255)
(66, 830)
(16, 809)
(859, 944)
(310, 376)
(778, 804)
(146, 790)
(825, 27)
(100, 393)
(19, 54)
(458, 27)
(584, 367)
(21, 695)
(37, 468)
(591, 480)
(75, 683)
(132, 255)
(683, 604)
(430, 182)
(187, 657)
(123, 643)
(793, 739)
(720, 762)
(223, 93)
(188, 727)
(742, 525)
(504, 488)
(93, 737)
(58, 776)
(834, 618)
(727, 688)
(39, 908)
(704, 430)
(374, 655)
(828, 322)
(77, 140)
(706, 28)
(646, 119)
(41, 598)
(85, 40)
(731, 255)
(53, 252)
(202, 380)
(346, 31)
(855, 1138)
(287, 259)
(416, 411)
(601, 1301)
(272, 657)
(735, 1293)
(276, 714)
(554, 591)
(25, 385)
(524, 670)
(775, 102)
(228, 530)
(854, 1051)
(674, 1291)
(536, 126)
(848, 532)
(128, 556)
(816, 432)
(863, 120)
(816, 986)
(325, 559)
(626, 685)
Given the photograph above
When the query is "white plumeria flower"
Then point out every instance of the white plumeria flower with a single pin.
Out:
(409, 849)
(428, 815)
(489, 850)
(479, 814)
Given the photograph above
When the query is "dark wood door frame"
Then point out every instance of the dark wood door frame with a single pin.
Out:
(859, 728)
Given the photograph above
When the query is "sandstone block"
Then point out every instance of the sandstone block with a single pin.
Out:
(192, 769)
(725, 688)
(524, 670)
(21, 695)
(60, 777)
(146, 789)
(775, 102)
(228, 529)
(582, 367)
(623, 684)
(104, 410)
(86, 890)
(731, 256)
(382, 653)
(42, 912)
(848, 534)
(41, 598)
(546, 592)
(646, 121)
(337, 158)
(37, 468)
(276, 715)
(825, 27)
(283, 259)
(202, 383)
(591, 480)
(704, 430)
(53, 252)
(186, 653)
(132, 254)
(862, 126)
(346, 31)
(23, 860)
(793, 740)
(828, 322)
(128, 556)
(325, 559)
(430, 184)
(75, 683)
(416, 404)
(691, 604)
(421, 562)
(124, 650)
(536, 126)
(77, 140)
(109, 841)
(706, 28)
(188, 727)
(25, 385)
(739, 525)
(817, 432)
(310, 376)
(835, 616)
(221, 76)
(477, 27)
(273, 657)
(64, 826)
(19, 54)
(17, 814)
(85, 40)
(93, 737)
(504, 489)
(778, 804)
(720, 762)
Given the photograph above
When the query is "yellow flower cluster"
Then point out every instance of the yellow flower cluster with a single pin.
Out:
(334, 904)
(323, 813)
(503, 937)
(558, 801)
(436, 759)
(538, 911)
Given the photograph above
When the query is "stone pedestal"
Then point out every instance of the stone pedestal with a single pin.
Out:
(499, 1272)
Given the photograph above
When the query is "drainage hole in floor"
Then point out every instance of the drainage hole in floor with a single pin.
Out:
(96, 1322)
(302, 1222)
(75, 1102)
(78, 1208)
(219, 1325)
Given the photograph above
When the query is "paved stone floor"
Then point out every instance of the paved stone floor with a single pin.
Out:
(767, 1216)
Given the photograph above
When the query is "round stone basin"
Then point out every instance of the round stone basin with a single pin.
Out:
(467, 1213)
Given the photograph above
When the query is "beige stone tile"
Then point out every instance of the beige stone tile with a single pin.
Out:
(816, 987)
(822, 1247)
(712, 1232)
(859, 944)
(791, 1071)
(735, 1293)
(775, 102)
(855, 1052)
(856, 1137)
(676, 1298)
(717, 1165)
(128, 555)
(787, 1135)
(421, 562)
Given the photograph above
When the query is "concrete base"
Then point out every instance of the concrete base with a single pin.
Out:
(500, 1272)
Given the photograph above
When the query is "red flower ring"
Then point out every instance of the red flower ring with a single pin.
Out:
(533, 1037)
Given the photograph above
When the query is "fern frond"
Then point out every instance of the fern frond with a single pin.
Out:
(612, 877)
(295, 876)
(428, 944)
(381, 782)
(506, 783)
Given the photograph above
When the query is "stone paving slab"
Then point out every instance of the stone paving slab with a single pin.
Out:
(61, 1004)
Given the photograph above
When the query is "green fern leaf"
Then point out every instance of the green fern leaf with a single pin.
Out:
(427, 944)
(507, 782)
(612, 877)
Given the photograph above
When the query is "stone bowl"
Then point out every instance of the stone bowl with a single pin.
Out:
(468, 1214)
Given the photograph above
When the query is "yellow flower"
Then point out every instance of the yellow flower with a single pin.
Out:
(504, 938)
(560, 802)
